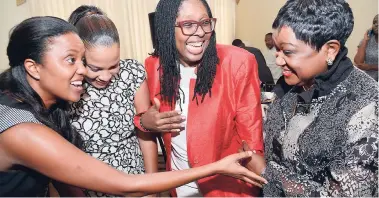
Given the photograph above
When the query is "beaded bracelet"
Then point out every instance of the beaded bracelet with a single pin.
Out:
(138, 122)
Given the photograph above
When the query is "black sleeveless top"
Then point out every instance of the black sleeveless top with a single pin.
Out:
(19, 180)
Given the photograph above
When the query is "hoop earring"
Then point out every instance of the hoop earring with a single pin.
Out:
(329, 61)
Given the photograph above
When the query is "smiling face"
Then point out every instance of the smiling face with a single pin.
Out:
(300, 62)
(191, 48)
(62, 71)
(103, 62)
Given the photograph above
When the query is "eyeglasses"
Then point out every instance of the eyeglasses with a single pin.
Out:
(189, 27)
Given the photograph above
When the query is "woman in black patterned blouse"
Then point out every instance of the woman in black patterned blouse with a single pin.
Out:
(321, 136)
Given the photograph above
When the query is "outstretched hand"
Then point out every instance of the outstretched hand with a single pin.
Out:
(170, 121)
(231, 166)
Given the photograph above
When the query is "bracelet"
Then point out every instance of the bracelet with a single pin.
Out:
(138, 122)
(144, 129)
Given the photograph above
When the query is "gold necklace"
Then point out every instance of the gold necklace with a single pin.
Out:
(307, 89)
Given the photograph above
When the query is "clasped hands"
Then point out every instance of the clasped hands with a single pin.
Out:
(255, 163)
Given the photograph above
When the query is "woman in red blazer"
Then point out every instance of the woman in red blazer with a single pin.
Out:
(216, 87)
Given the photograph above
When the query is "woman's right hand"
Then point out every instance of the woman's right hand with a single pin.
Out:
(170, 121)
(255, 163)
(231, 166)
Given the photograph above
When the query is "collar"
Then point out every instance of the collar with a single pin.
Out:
(327, 81)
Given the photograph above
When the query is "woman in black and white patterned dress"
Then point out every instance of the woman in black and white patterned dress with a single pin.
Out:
(104, 118)
(104, 115)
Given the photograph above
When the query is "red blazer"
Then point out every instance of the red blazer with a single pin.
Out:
(216, 127)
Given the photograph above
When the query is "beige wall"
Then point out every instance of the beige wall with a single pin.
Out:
(10, 15)
(130, 17)
(363, 15)
(254, 19)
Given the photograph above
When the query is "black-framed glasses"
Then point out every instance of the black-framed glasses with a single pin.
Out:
(189, 27)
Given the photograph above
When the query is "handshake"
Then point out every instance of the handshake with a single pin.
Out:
(256, 163)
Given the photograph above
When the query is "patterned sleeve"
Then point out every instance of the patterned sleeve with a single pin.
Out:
(132, 70)
(11, 116)
(355, 176)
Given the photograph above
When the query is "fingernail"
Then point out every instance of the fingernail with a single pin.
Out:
(183, 117)
(179, 112)
(182, 125)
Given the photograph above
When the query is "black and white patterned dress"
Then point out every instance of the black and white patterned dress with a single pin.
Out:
(104, 118)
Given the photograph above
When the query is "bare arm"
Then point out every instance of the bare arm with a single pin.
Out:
(364, 66)
(148, 141)
(359, 57)
(58, 159)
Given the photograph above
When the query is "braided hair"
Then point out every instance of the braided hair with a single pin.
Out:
(165, 17)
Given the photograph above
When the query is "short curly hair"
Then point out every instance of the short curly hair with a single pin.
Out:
(316, 22)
